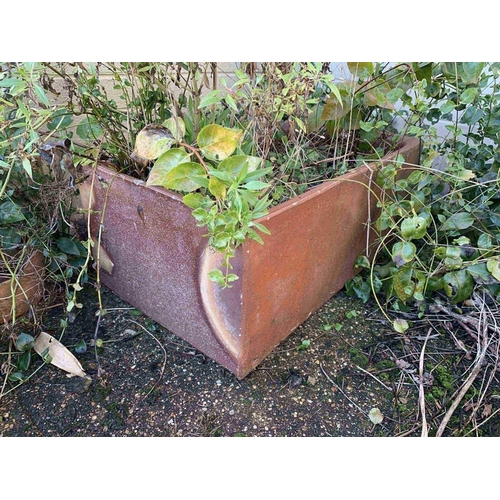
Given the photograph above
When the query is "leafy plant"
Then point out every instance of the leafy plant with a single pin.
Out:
(36, 187)
(112, 102)
(308, 126)
(439, 225)
(223, 188)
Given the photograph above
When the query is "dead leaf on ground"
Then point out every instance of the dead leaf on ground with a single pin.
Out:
(58, 355)
(487, 410)
(376, 416)
(402, 364)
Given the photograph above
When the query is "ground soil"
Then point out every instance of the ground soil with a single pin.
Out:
(148, 382)
(323, 380)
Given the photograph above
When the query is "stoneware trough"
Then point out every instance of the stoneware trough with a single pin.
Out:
(153, 256)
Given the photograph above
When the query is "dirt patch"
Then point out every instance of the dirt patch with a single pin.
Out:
(321, 381)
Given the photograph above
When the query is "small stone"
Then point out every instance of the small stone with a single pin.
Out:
(311, 380)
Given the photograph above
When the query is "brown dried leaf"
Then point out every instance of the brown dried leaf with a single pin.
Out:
(402, 364)
(487, 410)
(60, 356)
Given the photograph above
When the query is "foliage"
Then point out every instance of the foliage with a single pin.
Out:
(292, 115)
(35, 196)
(112, 102)
(228, 195)
(306, 125)
(439, 225)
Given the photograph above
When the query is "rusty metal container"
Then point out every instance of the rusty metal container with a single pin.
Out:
(154, 257)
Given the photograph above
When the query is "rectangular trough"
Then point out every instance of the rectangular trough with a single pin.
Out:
(153, 256)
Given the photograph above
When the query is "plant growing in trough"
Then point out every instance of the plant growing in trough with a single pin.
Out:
(230, 193)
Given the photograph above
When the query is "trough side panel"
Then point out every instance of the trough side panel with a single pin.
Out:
(155, 248)
(310, 254)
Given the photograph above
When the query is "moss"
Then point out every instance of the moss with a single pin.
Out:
(385, 364)
(444, 377)
(358, 358)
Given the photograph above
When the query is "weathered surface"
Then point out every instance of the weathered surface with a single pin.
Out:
(157, 259)
(28, 289)
(153, 250)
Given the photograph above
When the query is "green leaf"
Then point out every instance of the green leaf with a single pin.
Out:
(185, 177)
(176, 126)
(10, 213)
(10, 82)
(403, 252)
(213, 97)
(403, 285)
(68, 246)
(16, 377)
(358, 287)
(218, 143)
(217, 276)
(232, 277)
(394, 95)
(194, 200)
(485, 244)
(447, 107)
(231, 102)
(164, 164)
(24, 361)
(255, 236)
(257, 174)
(361, 69)
(239, 164)
(468, 95)
(460, 220)
(261, 227)
(423, 71)
(223, 176)
(400, 325)
(9, 237)
(40, 94)
(414, 227)
(60, 119)
(24, 342)
(362, 261)
(152, 141)
(45, 355)
(366, 126)
(89, 129)
(200, 215)
(472, 115)
(217, 188)
(480, 273)
(458, 285)
(304, 345)
(81, 347)
(256, 185)
(470, 72)
(493, 266)
(27, 167)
